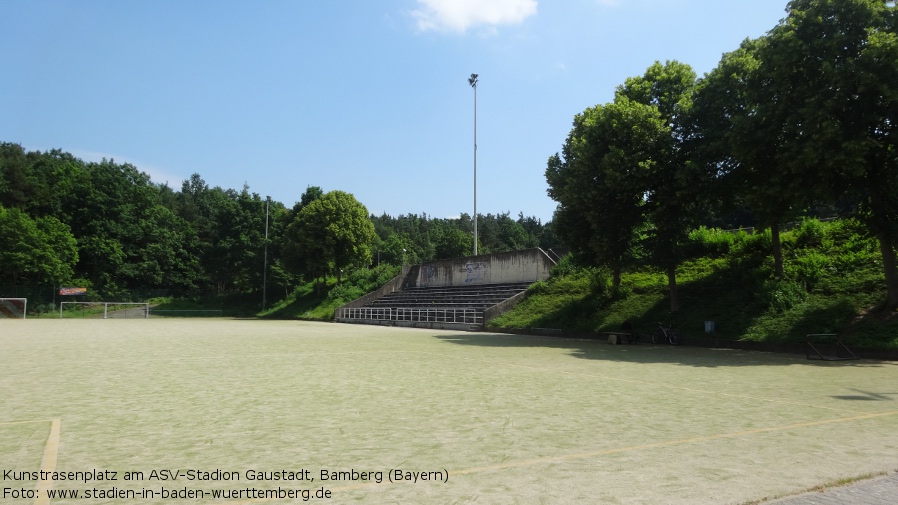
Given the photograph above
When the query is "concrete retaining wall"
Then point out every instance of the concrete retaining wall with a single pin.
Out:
(501, 308)
(528, 265)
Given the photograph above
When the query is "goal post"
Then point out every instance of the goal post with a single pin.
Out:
(105, 310)
(13, 308)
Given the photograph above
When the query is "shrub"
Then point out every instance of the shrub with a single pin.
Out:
(565, 266)
(810, 234)
(43, 308)
(369, 279)
(755, 244)
(538, 288)
(598, 282)
(709, 242)
(780, 295)
(344, 293)
(809, 268)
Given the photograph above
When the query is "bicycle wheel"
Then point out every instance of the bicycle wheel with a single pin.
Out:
(659, 336)
(674, 337)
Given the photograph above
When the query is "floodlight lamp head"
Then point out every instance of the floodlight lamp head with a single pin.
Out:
(473, 80)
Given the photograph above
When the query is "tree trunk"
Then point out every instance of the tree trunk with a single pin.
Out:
(778, 270)
(890, 268)
(672, 286)
(886, 247)
(615, 277)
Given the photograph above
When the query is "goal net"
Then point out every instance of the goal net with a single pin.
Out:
(104, 310)
(13, 308)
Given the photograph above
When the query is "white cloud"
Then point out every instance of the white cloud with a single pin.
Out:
(460, 15)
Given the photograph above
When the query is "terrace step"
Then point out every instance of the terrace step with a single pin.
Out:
(435, 305)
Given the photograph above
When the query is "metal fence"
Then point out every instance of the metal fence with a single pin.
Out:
(154, 312)
(466, 316)
(120, 310)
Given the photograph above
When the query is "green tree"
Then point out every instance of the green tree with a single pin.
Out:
(127, 239)
(298, 259)
(329, 234)
(40, 250)
(450, 241)
(827, 75)
(168, 256)
(600, 181)
(230, 230)
(742, 113)
(311, 194)
(534, 230)
(512, 234)
(17, 184)
(721, 105)
(414, 233)
(675, 185)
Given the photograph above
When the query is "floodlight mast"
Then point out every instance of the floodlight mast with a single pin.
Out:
(265, 263)
(473, 82)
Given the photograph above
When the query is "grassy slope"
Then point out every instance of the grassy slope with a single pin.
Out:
(311, 301)
(833, 284)
(307, 302)
(318, 303)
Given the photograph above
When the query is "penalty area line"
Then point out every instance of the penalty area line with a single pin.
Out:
(48, 463)
(11, 423)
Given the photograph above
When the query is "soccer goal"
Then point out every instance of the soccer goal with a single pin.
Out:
(13, 308)
(105, 310)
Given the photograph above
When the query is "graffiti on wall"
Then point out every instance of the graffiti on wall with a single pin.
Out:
(476, 271)
(428, 274)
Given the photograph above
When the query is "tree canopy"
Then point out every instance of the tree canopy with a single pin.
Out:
(108, 227)
(600, 181)
(41, 250)
(329, 234)
(803, 117)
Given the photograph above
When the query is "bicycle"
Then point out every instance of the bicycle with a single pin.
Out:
(668, 335)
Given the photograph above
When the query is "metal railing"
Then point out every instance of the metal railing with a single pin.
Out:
(465, 316)
(119, 309)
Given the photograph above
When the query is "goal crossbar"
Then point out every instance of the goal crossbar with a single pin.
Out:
(145, 305)
(15, 308)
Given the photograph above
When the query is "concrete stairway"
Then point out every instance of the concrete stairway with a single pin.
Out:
(461, 293)
(480, 297)
(443, 307)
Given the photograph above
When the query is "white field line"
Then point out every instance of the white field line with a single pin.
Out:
(48, 463)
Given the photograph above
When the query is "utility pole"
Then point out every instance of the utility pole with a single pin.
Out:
(265, 265)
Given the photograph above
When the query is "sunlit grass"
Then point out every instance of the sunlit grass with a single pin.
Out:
(833, 284)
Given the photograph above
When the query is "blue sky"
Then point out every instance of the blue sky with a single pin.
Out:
(369, 97)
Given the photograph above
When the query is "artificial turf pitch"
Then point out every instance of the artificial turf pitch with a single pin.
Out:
(240, 411)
